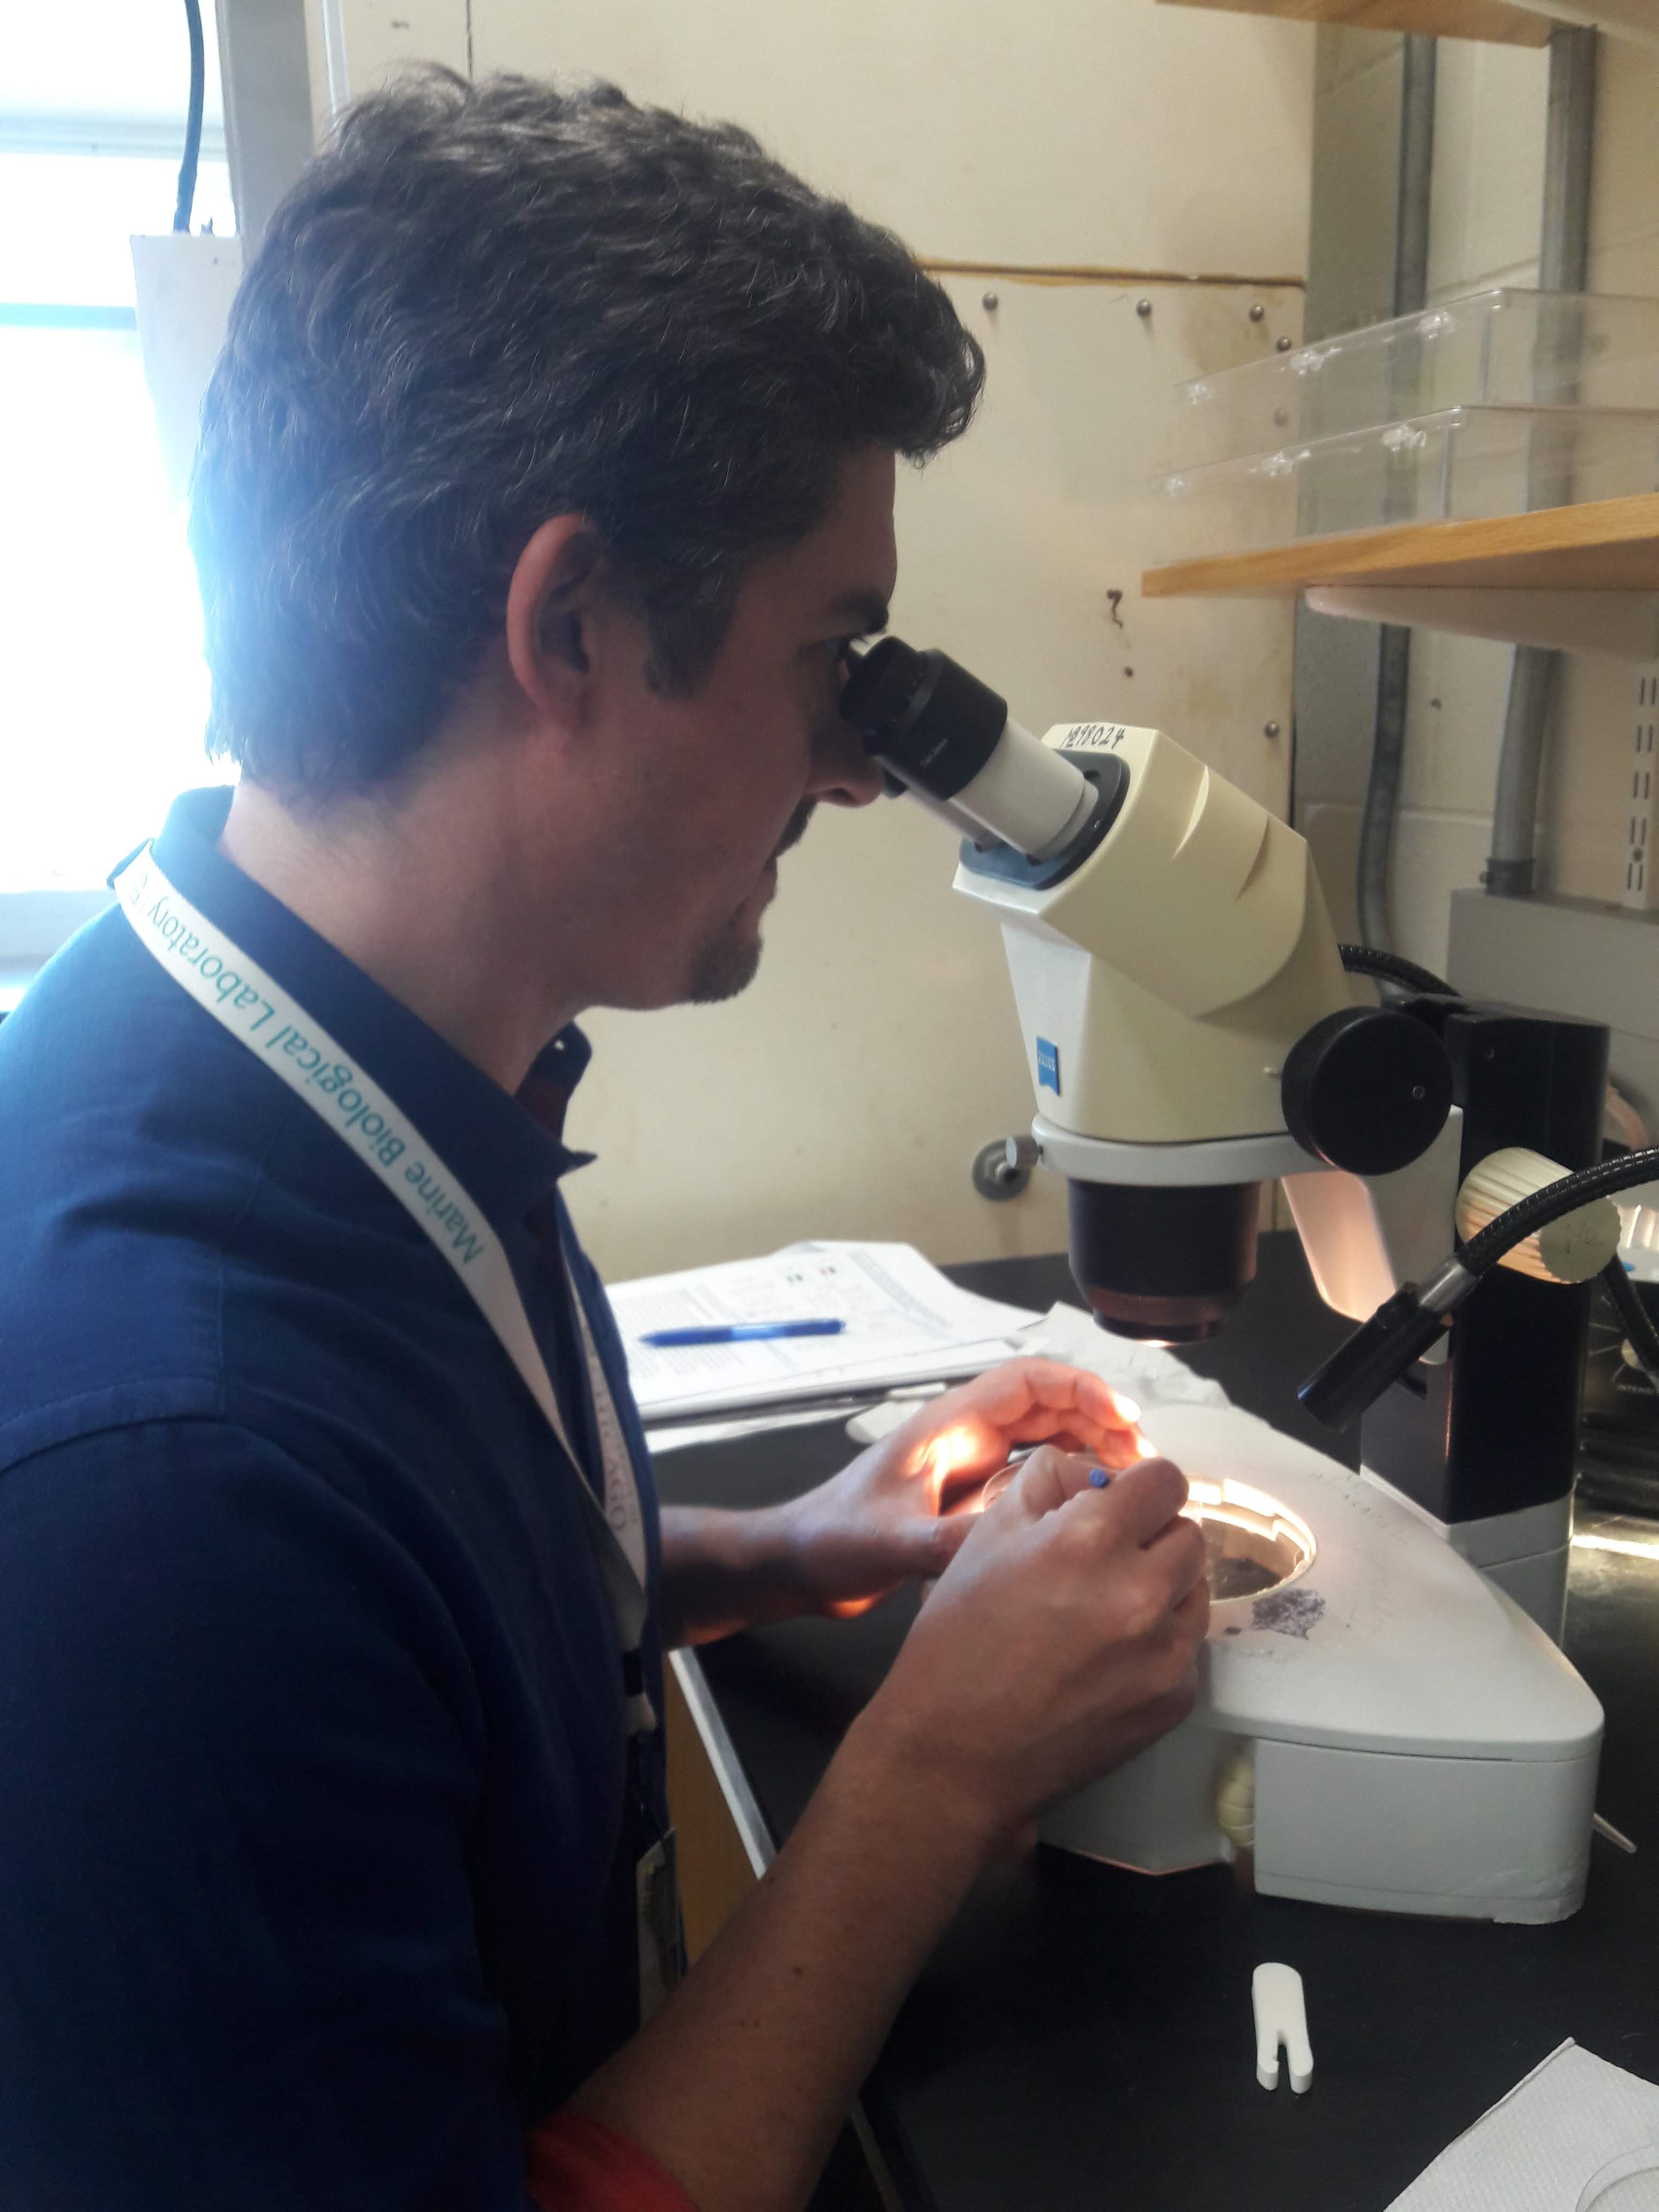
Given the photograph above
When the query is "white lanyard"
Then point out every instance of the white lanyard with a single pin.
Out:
(253, 1007)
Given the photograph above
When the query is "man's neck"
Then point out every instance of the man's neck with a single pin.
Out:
(422, 898)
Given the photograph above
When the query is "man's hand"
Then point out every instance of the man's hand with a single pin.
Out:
(1062, 1640)
(903, 1508)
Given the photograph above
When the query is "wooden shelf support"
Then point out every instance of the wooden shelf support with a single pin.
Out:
(1499, 23)
(1495, 21)
(1622, 625)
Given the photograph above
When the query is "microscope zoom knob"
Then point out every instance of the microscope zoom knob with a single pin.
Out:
(1367, 1089)
(1570, 1250)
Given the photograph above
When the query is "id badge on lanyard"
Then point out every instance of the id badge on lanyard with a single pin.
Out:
(658, 1930)
(254, 1007)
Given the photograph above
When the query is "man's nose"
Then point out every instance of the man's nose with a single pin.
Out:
(842, 773)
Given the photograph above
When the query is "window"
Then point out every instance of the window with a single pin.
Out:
(103, 693)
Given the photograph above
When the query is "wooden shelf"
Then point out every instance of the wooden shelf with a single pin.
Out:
(1495, 21)
(1605, 545)
(1500, 22)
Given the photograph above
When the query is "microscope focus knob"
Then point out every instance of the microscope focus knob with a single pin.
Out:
(1367, 1089)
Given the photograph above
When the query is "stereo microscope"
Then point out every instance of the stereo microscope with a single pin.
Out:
(1385, 1718)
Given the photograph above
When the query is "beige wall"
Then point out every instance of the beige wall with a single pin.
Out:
(846, 1093)
(1109, 132)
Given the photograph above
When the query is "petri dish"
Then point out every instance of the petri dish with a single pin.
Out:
(1252, 1542)
(1629, 2183)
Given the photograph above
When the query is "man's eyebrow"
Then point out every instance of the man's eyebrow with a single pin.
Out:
(864, 612)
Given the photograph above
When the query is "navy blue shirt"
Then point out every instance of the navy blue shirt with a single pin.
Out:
(317, 1820)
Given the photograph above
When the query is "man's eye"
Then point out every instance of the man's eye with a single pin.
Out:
(841, 655)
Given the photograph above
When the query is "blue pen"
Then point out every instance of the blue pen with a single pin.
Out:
(740, 1332)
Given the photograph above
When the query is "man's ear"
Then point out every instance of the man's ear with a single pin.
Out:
(549, 609)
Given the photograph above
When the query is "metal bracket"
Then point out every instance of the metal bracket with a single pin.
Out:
(1623, 625)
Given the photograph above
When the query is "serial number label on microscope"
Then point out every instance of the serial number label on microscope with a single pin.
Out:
(1093, 737)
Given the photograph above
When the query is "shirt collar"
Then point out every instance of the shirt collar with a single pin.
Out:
(509, 1152)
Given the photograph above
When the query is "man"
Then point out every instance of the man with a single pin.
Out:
(547, 471)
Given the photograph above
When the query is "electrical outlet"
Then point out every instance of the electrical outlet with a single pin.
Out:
(1641, 888)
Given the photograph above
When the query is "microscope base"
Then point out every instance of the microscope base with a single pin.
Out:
(1407, 1738)
(1525, 1552)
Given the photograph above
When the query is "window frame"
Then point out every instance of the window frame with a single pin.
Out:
(35, 924)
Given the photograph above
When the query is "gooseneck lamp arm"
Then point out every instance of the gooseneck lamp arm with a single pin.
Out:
(1406, 1325)
(1643, 1337)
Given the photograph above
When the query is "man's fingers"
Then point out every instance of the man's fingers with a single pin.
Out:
(1179, 1562)
(1078, 1428)
(1146, 1498)
(955, 1442)
(1035, 1398)
(1137, 1503)
(924, 1546)
(1178, 1550)
(1049, 1479)
(931, 1545)
(1192, 1615)
(1124, 1449)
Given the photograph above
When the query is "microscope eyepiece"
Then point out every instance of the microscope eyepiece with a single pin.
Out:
(947, 737)
(924, 717)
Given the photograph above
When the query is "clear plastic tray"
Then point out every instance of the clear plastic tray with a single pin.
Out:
(1501, 346)
(1462, 462)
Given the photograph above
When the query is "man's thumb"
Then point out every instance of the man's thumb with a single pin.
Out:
(1050, 1477)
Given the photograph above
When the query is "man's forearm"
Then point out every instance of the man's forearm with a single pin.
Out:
(1093, 1597)
(738, 2086)
(722, 1571)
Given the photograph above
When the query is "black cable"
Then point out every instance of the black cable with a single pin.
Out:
(1487, 1247)
(186, 199)
(1638, 1327)
(1389, 968)
(1381, 803)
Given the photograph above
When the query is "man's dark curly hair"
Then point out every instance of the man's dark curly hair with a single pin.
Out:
(484, 305)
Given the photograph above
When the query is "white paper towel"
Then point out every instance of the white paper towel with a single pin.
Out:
(1149, 1374)
(1536, 2149)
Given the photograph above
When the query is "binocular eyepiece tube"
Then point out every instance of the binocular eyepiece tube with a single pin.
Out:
(949, 737)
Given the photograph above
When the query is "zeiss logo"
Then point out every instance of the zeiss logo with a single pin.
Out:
(1047, 1064)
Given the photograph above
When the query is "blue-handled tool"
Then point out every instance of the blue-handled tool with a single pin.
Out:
(740, 1332)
